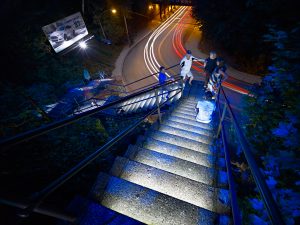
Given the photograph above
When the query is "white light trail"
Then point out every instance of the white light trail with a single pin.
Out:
(149, 54)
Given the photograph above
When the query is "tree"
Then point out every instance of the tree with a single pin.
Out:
(236, 28)
(274, 120)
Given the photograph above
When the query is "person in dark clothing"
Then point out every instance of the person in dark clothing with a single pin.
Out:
(209, 66)
(162, 79)
(218, 76)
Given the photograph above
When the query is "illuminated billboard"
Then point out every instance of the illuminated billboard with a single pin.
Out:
(65, 32)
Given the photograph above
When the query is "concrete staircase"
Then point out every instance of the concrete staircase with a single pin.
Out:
(147, 101)
(138, 104)
(174, 174)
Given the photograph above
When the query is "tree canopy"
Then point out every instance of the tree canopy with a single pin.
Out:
(237, 27)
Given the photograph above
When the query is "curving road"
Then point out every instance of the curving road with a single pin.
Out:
(165, 46)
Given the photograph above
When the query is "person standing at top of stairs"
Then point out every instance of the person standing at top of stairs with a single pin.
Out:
(209, 65)
(186, 64)
(218, 76)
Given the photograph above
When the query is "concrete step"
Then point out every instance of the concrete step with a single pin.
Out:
(184, 133)
(135, 103)
(204, 196)
(177, 166)
(189, 104)
(130, 104)
(189, 122)
(152, 103)
(185, 116)
(145, 101)
(185, 111)
(91, 213)
(191, 128)
(178, 96)
(146, 205)
(127, 102)
(181, 141)
(137, 106)
(191, 100)
(186, 108)
(146, 105)
(180, 152)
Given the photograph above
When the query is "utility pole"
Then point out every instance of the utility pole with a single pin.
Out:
(82, 6)
(125, 21)
(102, 28)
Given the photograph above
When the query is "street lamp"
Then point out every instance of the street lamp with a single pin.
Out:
(114, 11)
(82, 45)
(125, 21)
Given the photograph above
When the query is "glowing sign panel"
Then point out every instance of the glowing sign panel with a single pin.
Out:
(65, 32)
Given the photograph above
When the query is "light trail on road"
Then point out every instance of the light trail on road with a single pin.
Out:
(181, 51)
(150, 58)
(149, 55)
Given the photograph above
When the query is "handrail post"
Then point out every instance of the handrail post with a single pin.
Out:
(157, 104)
(221, 119)
(181, 84)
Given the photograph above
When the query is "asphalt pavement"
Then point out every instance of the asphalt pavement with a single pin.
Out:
(164, 44)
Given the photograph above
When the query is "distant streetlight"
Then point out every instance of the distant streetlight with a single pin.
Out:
(114, 11)
(150, 7)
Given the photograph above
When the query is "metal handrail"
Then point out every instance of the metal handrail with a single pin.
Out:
(38, 198)
(141, 100)
(145, 77)
(66, 121)
(269, 202)
(177, 77)
(153, 84)
(43, 210)
(234, 204)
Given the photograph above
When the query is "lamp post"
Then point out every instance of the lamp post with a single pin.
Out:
(113, 12)
(82, 6)
(125, 21)
(126, 26)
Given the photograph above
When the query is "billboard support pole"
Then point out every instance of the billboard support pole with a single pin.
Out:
(82, 7)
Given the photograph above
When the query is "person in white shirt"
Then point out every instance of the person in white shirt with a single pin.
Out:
(205, 111)
(186, 64)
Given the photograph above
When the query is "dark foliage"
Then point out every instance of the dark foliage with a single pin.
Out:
(237, 27)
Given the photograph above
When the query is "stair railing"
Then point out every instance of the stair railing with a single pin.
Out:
(269, 202)
(144, 88)
(36, 200)
(141, 79)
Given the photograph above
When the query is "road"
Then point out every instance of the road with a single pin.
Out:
(166, 46)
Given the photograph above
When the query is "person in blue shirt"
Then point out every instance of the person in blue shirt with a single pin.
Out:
(162, 79)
